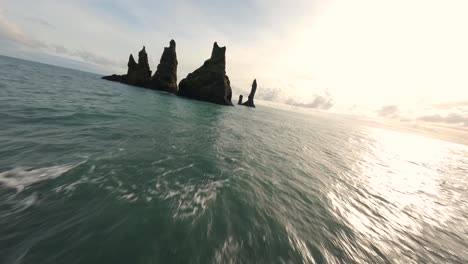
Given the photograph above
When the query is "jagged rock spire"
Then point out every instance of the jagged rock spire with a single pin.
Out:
(138, 74)
(218, 55)
(250, 100)
(254, 89)
(209, 82)
(165, 77)
(143, 64)
(132, 65)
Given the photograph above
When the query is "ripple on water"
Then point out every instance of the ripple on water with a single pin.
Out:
(20, 178)
(168, 180)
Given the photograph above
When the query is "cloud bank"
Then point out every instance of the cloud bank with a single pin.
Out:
(12, 34)
(452, 113)
(88, 56)
(319, 102)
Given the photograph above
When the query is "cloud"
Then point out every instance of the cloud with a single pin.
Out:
(16, 37)
(319, 102)
(322, 101)
(451, 113)
(39, 21)
(451, 118)
(269, 94)
(388, 111)
(86, 56)
(11, 32)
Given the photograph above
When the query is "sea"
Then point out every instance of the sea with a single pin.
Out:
(93, 171)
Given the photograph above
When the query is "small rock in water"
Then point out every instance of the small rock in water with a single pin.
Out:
(240, 99)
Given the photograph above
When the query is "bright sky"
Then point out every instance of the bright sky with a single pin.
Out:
(408, 58)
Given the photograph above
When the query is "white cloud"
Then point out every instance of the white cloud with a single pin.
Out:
(451, 118)
(88, 57)
(319, 102)
(16, 38)
(452, 113)
(9, 31)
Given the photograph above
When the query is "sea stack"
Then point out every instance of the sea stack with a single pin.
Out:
(165, 77)
(240, 99)
(209, 82)
(138, 74)
(250, 100)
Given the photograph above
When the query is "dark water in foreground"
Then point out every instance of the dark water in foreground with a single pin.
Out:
(98, 172)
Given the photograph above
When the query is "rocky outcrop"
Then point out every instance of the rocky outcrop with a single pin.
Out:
(240, 99)
(115, 78)
(138, 74)
(132, 65)
(165, 77)
(250, 100)
(209, 82)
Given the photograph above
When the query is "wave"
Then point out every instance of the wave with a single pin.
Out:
(19, 178)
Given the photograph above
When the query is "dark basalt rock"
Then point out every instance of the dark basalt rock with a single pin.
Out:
(240, 99)
(132, 65)
(250, 100)
(165, 77)
(209, 82)
(138, 74)
(115, 78)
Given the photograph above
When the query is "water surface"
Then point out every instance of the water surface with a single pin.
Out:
(99, 172)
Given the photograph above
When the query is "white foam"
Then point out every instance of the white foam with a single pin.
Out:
(228, 252)
(130, 196)
(25, 203)
(177, 170)
(19, 178)
(193, 199)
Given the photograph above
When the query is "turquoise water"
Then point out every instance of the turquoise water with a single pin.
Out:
(99, 172)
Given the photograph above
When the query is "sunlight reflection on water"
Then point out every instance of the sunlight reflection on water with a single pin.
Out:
(406, 194)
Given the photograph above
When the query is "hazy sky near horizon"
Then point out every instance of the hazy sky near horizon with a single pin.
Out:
(400, 59)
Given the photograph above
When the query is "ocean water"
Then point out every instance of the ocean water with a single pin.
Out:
(98, 172)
